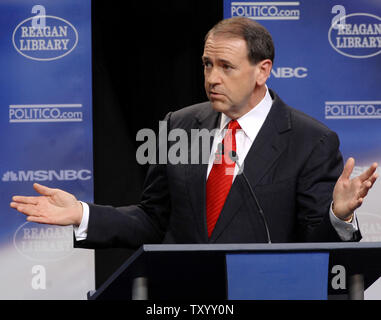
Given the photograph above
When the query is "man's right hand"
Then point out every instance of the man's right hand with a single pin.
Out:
(54, 206)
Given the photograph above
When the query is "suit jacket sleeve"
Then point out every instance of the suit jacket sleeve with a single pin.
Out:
(131, 226)
(314, 191)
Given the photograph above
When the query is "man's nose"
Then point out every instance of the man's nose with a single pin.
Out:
(213, 77)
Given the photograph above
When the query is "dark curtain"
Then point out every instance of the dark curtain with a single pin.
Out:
(146, 62)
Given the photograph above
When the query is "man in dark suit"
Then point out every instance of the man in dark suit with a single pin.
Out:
(292, 163)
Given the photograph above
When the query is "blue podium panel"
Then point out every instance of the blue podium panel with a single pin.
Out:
(277, 276)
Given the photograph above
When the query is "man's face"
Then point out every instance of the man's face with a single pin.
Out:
(230, 78)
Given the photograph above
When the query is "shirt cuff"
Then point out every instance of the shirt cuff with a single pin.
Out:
(80, 232)
(344, 229)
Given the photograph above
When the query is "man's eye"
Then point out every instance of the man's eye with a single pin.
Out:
(227, 67)
(206, 64)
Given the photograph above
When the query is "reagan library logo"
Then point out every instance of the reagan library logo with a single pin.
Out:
(53, 40)
(43, 242)
(356, 35)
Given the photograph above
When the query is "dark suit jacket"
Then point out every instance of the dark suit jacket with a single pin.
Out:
(292, 166)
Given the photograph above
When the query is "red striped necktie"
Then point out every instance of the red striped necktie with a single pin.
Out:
(220, 178)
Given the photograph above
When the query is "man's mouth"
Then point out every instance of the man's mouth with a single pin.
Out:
(215, 94)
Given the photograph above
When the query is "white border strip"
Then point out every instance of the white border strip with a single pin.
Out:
(353, 102)
(47, 120)
(265, 3)
(45, 106)
(275, 18)
(353, 117)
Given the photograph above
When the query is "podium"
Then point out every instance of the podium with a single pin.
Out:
(311, 271)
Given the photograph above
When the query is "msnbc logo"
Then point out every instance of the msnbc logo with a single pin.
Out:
(46, 175)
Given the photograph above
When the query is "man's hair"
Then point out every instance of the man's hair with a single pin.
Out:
(259, 43)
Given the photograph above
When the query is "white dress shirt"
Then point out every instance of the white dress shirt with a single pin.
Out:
(250, 124)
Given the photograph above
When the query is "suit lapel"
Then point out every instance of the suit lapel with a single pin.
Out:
(264, 152)
(208, 119)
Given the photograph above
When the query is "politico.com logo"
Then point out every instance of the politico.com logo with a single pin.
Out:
(266, 10)
(353, 109)
(45, 113)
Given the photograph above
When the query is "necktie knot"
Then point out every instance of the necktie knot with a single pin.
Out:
(234, 125)
(229, 139)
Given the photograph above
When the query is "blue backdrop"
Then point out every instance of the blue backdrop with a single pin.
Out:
(46, 137)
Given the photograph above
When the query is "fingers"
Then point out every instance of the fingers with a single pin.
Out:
(37, 219)
(26, 200)
(367, 185)
(32, 212)
(45, 191)
(348, 168)
(27, 209)
(369, 172)
(374, 178)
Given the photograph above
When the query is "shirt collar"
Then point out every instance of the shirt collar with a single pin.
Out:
(251, 121)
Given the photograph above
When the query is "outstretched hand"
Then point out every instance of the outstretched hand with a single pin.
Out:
(349, 194)
(54, 206)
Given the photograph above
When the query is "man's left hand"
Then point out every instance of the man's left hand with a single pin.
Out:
(349, 194)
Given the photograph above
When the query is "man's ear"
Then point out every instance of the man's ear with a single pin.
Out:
(263, 68)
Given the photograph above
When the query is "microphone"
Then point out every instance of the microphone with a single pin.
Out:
(220, 148)
(234, 157)
(219, 152)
